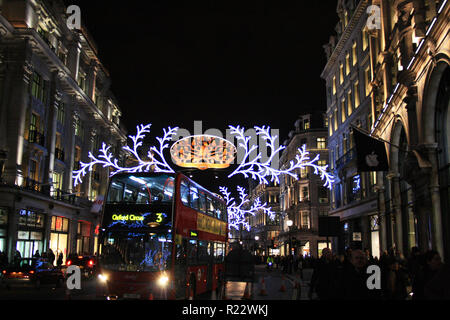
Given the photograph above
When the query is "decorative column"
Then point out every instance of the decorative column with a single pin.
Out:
(436, 212)
(74, 119)
(73, 56)
(55, 102)
(16, 106)
(92, 79)
(397, 210)
(91, 141)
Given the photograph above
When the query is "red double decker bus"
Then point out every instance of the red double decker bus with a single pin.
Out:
(163, 236)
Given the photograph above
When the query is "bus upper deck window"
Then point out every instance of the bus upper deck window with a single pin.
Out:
(184, 192)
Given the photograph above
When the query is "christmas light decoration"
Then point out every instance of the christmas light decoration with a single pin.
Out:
(156, 163)
(262, 171)
(203, 152)
(254, 168)
(238, 213)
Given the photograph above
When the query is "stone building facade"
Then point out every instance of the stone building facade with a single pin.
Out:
(55, 108)
(407, 90)
(303, 200)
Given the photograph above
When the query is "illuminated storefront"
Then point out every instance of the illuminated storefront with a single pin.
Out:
(83, 237)
(30, 233)
(3, 228)
(59, 236)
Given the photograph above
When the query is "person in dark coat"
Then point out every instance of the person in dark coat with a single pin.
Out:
(50, 256)
(352, 283)
(323, 280)
(60, 259)
(432, 265)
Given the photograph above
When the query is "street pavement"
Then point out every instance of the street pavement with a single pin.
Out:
(273, 285)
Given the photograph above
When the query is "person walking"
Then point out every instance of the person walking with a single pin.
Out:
(323, 280)
(50, 256)
(60, 259)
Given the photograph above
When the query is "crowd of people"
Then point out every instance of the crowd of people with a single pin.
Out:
(422, 276)
(47, 256)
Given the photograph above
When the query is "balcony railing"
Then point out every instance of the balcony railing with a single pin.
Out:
(36, 137)
(346, 158)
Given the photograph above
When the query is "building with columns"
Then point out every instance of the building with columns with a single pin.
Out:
(55, 107)
(264, 230)
(303, 200)
(406, 89)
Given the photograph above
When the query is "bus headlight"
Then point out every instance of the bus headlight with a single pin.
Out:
(103, 278)
(163, 280)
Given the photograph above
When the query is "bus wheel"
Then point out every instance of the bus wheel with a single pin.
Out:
(192, 288)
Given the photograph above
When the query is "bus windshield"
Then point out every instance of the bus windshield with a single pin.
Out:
(133, 251)
(139, 189)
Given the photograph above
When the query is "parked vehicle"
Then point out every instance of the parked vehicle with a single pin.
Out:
(31, 272)
(87, 264)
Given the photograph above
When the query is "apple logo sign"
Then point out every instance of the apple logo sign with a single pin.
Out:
(371, 159)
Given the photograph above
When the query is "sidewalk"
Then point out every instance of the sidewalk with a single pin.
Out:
(304, 282)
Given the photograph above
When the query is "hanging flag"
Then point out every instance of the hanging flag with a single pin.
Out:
(371, 153)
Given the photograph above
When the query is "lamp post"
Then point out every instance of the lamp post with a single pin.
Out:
(289, 223)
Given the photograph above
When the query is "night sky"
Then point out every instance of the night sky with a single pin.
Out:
(223, 62)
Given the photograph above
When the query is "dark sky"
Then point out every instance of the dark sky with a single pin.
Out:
(222, 62)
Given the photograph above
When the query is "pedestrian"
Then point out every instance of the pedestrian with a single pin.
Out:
(17, 257)
(323, 280)
(431, 265)
(50, 256)
(397, 282)
(352, 282)
(60, 259)
(3, 259)
(36, 254)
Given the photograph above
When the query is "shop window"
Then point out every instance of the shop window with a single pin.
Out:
(60, 224)
(83, 237)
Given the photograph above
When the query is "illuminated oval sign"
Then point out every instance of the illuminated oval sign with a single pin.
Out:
(203, 152)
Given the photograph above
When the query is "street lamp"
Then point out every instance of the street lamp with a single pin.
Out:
(289, 223)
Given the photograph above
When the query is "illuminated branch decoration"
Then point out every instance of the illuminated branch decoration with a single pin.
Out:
(238, 213)
(262, 171)
(106, 158)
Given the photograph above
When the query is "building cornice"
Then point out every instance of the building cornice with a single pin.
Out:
(346, 35)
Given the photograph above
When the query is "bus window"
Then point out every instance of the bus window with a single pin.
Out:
(184, 192)
(192, 251)
(115, 192)
(202, 201)
(203, 256)
(193, 195)
(219, 251)
(141, 189)
(217, 210)
(210, 206)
